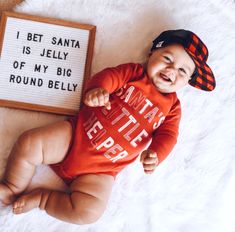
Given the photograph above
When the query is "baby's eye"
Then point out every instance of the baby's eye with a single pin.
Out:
(167, 59)
(182, 70)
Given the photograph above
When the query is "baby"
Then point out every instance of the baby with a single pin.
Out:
(128, 110)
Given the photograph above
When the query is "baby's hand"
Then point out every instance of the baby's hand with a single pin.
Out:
(149, 160)
(97, 97)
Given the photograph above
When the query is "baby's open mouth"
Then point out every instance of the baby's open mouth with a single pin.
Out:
(165, 77)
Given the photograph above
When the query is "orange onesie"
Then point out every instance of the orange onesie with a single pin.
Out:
(105, 141)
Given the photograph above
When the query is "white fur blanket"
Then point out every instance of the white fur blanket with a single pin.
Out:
(194, 189)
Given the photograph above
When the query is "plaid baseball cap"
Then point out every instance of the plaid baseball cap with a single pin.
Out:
(203, 77)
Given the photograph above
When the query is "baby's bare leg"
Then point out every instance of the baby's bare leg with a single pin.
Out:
(86, 203)
(44, 145)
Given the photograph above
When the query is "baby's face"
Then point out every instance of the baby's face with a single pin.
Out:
(170, 68)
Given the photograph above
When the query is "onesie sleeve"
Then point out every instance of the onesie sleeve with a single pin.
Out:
(165, 136)
(112, 79)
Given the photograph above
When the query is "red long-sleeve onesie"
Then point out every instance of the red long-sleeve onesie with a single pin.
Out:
(105, 141)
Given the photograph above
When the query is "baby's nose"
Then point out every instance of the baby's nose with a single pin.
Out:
(171, 73)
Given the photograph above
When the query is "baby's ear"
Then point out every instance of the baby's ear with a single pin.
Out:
(193, 75)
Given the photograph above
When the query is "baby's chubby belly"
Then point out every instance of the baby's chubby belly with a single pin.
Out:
(117, 134)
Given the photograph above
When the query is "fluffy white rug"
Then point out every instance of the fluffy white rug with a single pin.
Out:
(194, 189)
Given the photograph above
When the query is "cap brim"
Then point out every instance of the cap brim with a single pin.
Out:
(203, 78)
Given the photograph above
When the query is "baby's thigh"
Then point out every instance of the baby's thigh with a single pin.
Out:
(53, 140)
(92, 191)
(99, 185)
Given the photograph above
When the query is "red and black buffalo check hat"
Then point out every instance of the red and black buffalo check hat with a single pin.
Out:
(203, 77)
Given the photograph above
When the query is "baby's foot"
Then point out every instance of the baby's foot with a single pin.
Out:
(27, 202)
(6, 194)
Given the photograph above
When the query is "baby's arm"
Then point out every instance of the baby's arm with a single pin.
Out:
(112, 79)
(108, 81)
(164, 137)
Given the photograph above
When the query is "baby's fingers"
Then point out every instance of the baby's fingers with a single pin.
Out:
(91, 102)
(97, 97)
(103, 98)
(149, 168)
(150, 160)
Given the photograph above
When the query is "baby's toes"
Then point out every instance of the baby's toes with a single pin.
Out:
(18, 206)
